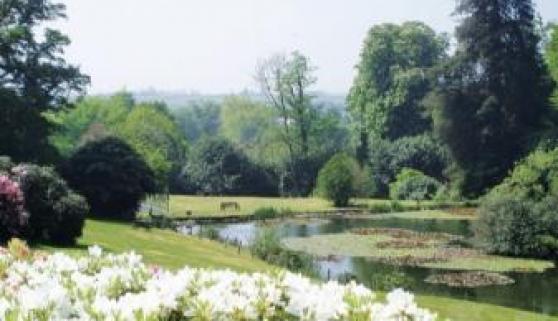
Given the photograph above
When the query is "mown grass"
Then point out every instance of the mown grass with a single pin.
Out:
(434, 256)
(460, 310)
(209, 206)
(165, 248)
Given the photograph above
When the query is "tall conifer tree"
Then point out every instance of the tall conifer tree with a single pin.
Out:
(494, 93)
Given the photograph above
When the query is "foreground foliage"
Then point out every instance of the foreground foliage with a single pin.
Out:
(122, 287)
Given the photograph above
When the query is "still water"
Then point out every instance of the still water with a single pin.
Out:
(536, 292)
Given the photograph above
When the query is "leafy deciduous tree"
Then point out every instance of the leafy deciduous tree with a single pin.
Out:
(392, 78)
(34, 77)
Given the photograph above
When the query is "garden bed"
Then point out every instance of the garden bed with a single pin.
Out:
(97, 286)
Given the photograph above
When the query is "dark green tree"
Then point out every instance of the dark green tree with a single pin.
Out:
(34, 77)
(391, 81)
(217, 167)
(492, 96)
(112, 176)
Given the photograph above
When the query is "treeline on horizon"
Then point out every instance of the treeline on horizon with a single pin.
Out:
(461, 116)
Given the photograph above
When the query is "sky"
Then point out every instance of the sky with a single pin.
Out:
(213, 46)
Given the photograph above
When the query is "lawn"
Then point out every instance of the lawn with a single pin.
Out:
(459, 310)
(209, 206)
(172, 250)
(433, 253)
(164, 247)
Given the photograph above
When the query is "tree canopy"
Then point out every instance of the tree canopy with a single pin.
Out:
(392, 79)
(492, 96)
(34, 77)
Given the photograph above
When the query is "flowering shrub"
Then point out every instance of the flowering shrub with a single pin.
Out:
(13, 218)
(121, 287)
(56, 213)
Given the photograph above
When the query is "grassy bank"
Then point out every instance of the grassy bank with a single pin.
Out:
(166, 248)
(200, 206)
(459, 310)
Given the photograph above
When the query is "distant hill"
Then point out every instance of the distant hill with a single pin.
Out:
(177, 99)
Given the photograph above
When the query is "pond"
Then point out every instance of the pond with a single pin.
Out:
(536, 292)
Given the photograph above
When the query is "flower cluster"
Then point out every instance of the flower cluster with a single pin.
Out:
(12, 215)
(121, 287)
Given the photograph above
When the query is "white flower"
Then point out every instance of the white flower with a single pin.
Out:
(121, 288)
(95, 251)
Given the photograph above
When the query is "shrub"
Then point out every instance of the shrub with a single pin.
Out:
(534, 178)
(52, 287)
(112, 176)
(507, 225)
(336, 180)
(421, 152)
(411, 184)
(13, 219)
(518, 217)
(72, 210)
(519, 226)
(57, 214)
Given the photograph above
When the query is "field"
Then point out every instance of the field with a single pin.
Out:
(201, 206)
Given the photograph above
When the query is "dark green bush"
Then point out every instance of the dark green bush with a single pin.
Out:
(336, 180)
(56, 213)
(518, 217)
(518, 226)
(507, 225)
(421, 152)
(411, 184)
(72, 210)
(112, 176)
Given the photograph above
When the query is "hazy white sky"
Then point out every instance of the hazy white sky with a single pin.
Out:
(212, 46)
